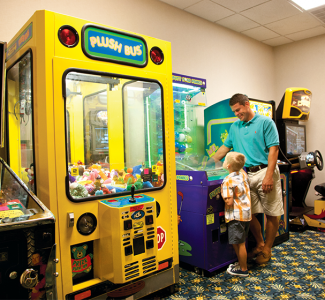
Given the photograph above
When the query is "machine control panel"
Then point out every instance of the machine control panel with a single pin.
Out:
(132, 230)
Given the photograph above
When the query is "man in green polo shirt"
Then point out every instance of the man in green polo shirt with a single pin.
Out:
(257, 138)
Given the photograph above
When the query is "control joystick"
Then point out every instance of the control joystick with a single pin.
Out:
(132, 200)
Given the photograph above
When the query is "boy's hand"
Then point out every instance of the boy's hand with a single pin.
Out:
(179, 219)
(229, 201)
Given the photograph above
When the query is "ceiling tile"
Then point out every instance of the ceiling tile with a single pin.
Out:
(307, 33)
(238, 23)
(239, 5)
(281, 40)
(293, 24)
(181, 3)
(260, 33)
(271, 11)
(209, 10)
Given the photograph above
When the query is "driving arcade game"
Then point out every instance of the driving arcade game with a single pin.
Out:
(293, 109)
(90, 131)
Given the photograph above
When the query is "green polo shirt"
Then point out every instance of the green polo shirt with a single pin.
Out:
(253, 139)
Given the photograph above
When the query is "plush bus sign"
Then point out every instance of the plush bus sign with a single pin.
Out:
(102, 44)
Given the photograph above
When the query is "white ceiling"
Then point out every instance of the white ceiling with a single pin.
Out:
(273, 22)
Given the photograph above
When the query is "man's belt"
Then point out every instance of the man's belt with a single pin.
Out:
(256, 168)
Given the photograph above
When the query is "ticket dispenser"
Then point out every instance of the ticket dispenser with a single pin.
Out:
(129, 242)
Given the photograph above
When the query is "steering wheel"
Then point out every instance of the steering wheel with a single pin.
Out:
(319, 160)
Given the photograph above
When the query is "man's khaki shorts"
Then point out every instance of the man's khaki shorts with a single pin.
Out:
(272, 203)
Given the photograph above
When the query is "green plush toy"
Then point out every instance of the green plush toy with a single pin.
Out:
(78, 191)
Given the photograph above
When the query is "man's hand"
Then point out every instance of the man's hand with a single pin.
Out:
(267, 184)
(229, 201)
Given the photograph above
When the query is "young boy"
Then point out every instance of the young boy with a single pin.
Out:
(236, 194)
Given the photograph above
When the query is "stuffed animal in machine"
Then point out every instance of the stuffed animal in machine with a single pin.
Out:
(78, 190)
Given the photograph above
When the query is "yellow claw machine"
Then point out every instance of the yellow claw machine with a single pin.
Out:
(89, 118)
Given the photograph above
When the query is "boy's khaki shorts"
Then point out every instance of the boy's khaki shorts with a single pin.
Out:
(272, 203)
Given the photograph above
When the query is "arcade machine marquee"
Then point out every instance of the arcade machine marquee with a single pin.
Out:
(89, 131)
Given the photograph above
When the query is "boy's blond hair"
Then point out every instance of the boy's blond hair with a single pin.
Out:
(236, 160)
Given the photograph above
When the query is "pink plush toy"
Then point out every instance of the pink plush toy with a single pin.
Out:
(107, 181)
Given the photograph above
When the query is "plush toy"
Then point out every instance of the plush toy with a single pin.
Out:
(107, 181)
(136, 170)
(102, 175)
(129, 184)
(97, 183)
(95, 167)
(182, 148)
(81, 170)
(181, 137)
(78, 191)
(99, 193)
(147, 185)
(138, 184)
(71, 178)
(127, 177)
(105, 190)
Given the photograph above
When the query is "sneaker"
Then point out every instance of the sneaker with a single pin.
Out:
(235, 264)
(236, 271)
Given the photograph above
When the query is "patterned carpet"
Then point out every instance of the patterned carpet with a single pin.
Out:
(296, 271)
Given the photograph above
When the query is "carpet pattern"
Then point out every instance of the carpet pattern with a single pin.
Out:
(296, 271)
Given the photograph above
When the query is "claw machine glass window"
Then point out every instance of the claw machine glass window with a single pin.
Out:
(118, 141)
(189, 102)
(20, 119)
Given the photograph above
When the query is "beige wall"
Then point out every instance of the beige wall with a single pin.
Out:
(229, 61)
(302, 64)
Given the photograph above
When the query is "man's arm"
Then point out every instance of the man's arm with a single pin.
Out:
(267, 184)
(220, 154)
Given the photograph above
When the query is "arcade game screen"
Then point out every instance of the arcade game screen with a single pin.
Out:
(264, 109)
(119, 142)
(296, 139)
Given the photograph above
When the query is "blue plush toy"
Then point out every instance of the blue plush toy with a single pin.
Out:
(147, 185)
(118, 189)
(136, 170)
(176, 135)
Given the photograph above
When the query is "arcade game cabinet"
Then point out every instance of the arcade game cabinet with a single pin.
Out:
(202, 242)
(27, 241)
(317, 220)
(90, 130)
(217, 120)
(295, 107)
